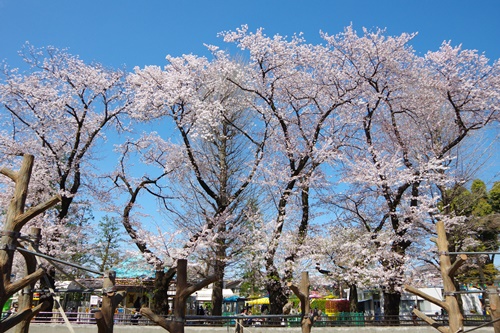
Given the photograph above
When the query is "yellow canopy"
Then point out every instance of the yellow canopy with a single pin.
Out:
(258, 301)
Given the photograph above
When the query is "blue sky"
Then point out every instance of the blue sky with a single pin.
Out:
(130, 33)
(139, 33)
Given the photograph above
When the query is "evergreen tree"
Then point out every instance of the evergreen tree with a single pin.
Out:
(483, 226)
(107, 249)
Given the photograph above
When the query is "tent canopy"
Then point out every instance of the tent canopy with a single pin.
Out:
(233, 298)
(205, 294)
(258, 301)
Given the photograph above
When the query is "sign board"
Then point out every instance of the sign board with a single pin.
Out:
(94, 300)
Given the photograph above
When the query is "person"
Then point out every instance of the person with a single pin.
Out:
(201, 311)
(244, 313)
(264, 311)
(315, 314)
(135, 317)
(249, 320)
(241, 322)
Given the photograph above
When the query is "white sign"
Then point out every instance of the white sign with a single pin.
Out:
(94, 300)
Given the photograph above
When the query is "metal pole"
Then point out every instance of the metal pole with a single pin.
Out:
(467, 292)
(58, 260)
(472, 253)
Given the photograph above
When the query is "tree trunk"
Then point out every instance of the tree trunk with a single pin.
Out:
(392, 295)
(448, 270)
(391, 307)
(16, 208)
(110, 300)
(218, 286)
(25, 299)
(160, 296)
(277, 296)
(217, 297)
(353, 298)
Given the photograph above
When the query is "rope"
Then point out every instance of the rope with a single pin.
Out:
(239, 322)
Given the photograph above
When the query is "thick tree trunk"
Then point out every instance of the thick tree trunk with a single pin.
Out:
(353, 298)
(277, 296)
(160, 296)
(217, 297)
(391, 308)
(392, 295)
(218, 286)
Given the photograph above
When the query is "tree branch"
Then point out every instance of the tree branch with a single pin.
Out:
(23, 315)
(431, 322)
(9, 173)
(161, 321)
(34, 211)
(429, 298)
(203, 283)
(456, 265)
(28, 279)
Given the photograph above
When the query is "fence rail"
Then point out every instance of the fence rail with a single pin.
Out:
(342, 319)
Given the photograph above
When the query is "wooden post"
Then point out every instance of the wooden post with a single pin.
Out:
(183, 291)
(302, 292)
(494, 306)
(25, 299)
(448, 270)
(110, 300)
(15, 219)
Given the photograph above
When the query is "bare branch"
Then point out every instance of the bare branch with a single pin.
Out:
(161, 321)
(431, 322)
(37, 210)
(456, 265)
(429, 298)
(28, 279)
(9, 173)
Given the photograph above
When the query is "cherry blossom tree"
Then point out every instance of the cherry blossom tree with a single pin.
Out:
(124, 198)
(58, 111)
(413, 112)
(305, 91)
(220, 141)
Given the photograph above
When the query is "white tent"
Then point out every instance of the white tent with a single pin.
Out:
(205, 295)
